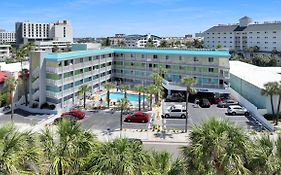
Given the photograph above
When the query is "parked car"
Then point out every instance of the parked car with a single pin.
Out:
(140, 117)
(227, 103)
(76, 113)
(69, 117)
(175, 111)
(218, 100)
(237, 109)
(204, 103)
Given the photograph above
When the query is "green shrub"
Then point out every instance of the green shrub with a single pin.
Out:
(270, 116)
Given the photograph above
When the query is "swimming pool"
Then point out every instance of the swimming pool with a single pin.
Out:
(120, 95)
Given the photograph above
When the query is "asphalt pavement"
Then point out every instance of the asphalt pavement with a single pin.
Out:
(103, 120)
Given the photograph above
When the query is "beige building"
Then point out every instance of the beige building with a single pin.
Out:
(246, 34)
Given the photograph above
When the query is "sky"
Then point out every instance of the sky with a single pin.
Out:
(99, 18)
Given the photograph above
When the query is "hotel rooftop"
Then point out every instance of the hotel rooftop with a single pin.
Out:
(197, 52)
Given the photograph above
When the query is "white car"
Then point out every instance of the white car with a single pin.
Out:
(175, 111)
(237, 109)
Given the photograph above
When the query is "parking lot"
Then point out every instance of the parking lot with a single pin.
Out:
(103, 120)
(198, 114)
(22, 117)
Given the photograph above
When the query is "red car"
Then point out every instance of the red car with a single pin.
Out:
(74, 112)
(137, 117)
(218, 100)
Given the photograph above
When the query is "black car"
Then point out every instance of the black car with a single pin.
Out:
(204, 103)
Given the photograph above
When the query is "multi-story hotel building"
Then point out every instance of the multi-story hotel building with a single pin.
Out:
(142, 40)
(31, 32)
(56, 77)
(245, 34)
(7, 37)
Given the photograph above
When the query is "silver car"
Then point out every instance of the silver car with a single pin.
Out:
(175, 111)
(237, 109)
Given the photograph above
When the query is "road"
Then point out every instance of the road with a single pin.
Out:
(103, 120)
(172, 148)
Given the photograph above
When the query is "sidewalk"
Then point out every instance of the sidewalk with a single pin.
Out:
(145, 136)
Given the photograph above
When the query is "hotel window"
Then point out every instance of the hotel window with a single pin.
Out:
(132, 64)
(180, 57)
(142, 55)
(154, 56)
(195, 59)
(211, 69)
(168, 66)
(132, 55)
(167, 57)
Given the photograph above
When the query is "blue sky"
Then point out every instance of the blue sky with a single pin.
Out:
(97, 18)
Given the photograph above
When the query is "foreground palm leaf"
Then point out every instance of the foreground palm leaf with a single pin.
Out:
(67, 151)
(17, 151)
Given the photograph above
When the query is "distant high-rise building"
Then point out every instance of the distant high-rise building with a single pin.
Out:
(241, 36)
(31, 32)
(7, 37)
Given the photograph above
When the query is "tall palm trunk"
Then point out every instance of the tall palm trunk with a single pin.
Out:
(84, 100)
(12, 106)
(121, 119)
(25, 90)
(108, 93)
(186, 106)
(139, 101)
(125, 94)
(143, 104)
(278, 110)
(272, 107)
(150, 102)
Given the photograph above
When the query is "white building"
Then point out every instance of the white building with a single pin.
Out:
(7, 37)
(52, 46)
(248, 80)
(4, 52)
(245, 34)
(142, 40)
(31, 32)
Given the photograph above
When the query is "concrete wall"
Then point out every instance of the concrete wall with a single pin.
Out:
(252, 94)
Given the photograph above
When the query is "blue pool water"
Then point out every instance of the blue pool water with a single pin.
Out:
(120, 95)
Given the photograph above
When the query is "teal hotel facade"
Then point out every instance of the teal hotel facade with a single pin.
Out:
(56, 77)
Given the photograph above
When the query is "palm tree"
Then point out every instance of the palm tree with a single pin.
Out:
(270, 89)
(263, 159)
(20, 54)
(139, 89)
(82, 90)
(69, 150)
(188, 82)
(151, 89)
(278, 92)
(122, 105)
(157, 79)
(10, 85)
(119, 157)
(17, 151)
(217, 147)
(108, 86)
(162, 163)
(125, 88)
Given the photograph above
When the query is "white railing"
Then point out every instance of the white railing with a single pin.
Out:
(35, 95)
(54, 82)
(253, 109)
(35, 84)
(88, 74)
(54, 94)
(35, 72)
(78, 77)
